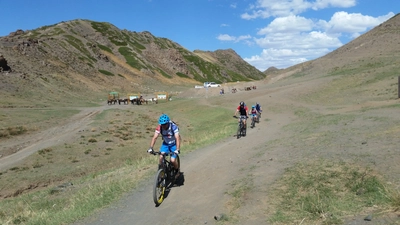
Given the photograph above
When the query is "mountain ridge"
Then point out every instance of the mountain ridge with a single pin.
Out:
(88, 56)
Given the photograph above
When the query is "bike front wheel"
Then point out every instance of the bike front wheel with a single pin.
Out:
(159, 187)
(239, 130)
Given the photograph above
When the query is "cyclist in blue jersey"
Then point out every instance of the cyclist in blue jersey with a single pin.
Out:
(258, 107)
(171, 140)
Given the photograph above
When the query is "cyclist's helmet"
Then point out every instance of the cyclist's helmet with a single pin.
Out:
(253, 106)
(164, 119)
(241, 103)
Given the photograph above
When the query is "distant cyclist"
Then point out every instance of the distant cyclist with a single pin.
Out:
(258, 107)
(171, 140)
(243, 111)
(253, 112)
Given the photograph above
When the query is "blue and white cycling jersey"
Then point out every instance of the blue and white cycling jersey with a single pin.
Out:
(168, 134)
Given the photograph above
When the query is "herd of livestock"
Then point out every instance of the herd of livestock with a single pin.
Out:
(137, 101)
(114, 98)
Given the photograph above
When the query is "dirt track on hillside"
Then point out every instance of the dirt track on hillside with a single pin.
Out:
(212, 172)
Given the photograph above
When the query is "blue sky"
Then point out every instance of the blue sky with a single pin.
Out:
(265, 33)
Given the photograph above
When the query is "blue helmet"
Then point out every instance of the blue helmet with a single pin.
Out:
(164, 118)
(253, 106)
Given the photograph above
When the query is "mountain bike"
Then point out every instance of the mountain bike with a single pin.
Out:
(164, 179)
(241, 130)
(258, 117)
(253, 121)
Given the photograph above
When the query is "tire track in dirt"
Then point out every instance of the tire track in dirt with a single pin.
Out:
(47, 138)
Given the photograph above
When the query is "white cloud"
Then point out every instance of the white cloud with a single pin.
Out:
(226, 37)
(353, 23)
(233, 5)
(243, 37)
(280, 58)
(286, 50)
(276, 8)
(322, 4)
(281, 8)
(288, 24)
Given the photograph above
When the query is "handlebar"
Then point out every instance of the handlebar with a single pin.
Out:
(155, 153)
(160, 153)
(238, 117)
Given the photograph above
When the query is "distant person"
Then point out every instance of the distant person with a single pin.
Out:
(253, 112)
(171, 140)
(259, 110)
(258, 107)
(222, 91)
(243, 112)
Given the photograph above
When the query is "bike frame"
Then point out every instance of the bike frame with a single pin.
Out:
(166, 164)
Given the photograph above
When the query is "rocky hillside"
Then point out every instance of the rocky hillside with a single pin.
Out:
(81, 58)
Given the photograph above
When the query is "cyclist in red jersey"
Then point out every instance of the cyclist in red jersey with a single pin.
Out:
(243, 111)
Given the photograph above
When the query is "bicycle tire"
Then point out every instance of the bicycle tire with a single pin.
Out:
(253, 122)
(239, 130)
(159, 187)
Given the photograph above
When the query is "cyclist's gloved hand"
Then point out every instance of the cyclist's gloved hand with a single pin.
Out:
(177, 151)
(150, 150)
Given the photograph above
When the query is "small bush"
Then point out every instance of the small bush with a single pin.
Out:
(105, 72)
(87, 151)
(92, 140)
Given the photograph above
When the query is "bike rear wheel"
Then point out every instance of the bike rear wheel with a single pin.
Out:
(159, 187)
(253, 122)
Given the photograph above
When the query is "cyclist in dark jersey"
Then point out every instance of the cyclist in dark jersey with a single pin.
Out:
(258, 107)
(171, 139)
(243, 111)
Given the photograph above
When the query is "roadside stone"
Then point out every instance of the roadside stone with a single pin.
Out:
(220, 217)
(360, 191)
(368, 218)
